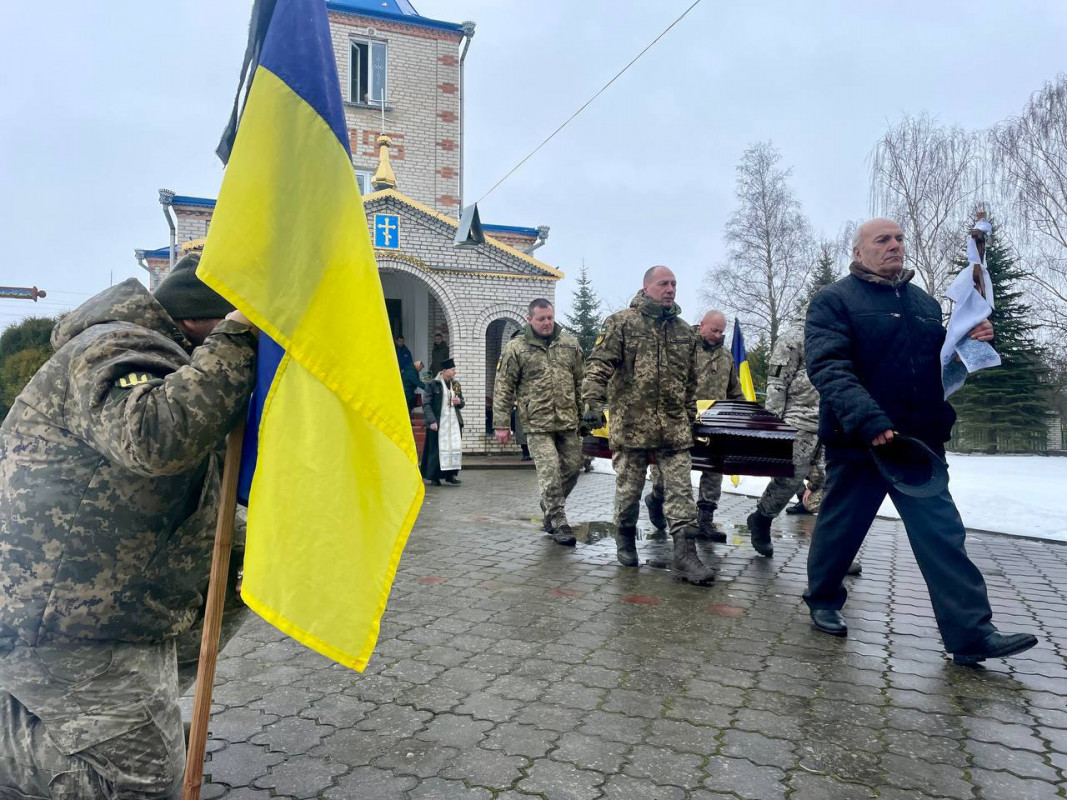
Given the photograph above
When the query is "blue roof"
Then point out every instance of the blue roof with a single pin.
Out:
(163, 252)
(185, 200)
(400, 10)
(511, 229)
(208, 202)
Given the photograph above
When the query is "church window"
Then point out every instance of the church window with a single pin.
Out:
(367, 72)
(363, 178)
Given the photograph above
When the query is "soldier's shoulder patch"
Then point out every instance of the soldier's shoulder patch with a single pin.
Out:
(600, 337)
(499, 363)
(132, 379)
(136, 379)
(777, 370)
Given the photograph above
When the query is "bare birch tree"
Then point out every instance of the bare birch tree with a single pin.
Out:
(927, 178)
(770, 248)
(1030, 156)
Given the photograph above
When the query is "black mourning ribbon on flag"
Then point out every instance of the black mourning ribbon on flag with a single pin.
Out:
(262, 12)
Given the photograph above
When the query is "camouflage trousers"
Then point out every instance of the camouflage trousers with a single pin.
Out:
(98, 720)
(708, 493)
(557, 458)
(807, 452)
(675, 466)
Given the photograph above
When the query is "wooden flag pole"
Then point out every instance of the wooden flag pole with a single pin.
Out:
(216, 599)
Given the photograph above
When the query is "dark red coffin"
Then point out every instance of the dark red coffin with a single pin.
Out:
(735, 437)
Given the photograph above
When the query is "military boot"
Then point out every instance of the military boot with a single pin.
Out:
(564, 535)
(626, 546)
(706, 527)
(759, 527)
(655, 511)
(687, 564)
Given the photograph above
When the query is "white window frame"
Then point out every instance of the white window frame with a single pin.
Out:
(354, 66)
(363, 178)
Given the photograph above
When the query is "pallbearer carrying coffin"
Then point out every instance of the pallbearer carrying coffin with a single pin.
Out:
(643, 366)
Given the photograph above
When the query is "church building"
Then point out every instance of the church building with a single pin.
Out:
(404, 69)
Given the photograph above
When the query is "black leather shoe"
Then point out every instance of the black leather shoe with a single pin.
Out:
(453, 480)
(436, 482)
(829, 620)
(995, 645)
(855, 568)
(797, 508)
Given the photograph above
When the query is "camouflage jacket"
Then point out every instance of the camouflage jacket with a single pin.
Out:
(643, 365)
(544, 379)
(790, 394)
(109, 474)
(716, 373)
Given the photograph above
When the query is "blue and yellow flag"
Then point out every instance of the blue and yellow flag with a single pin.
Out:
(336, 487)
(737, 348)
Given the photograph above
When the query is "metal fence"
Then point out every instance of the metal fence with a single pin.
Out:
(986, 441)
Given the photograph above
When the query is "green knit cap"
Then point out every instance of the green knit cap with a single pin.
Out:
(185, 296)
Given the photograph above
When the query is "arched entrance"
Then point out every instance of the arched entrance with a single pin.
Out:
(419, 306)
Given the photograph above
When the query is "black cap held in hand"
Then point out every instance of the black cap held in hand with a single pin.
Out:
(185, 296)
(911, 466)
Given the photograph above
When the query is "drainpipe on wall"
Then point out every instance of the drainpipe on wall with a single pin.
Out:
(542, 235)
(166, 199)
(468, 33)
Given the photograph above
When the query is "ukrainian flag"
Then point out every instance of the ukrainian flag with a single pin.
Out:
(737, 348)
(336, 487)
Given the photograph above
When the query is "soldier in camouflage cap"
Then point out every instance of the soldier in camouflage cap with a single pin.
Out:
(644, 365)
(541, 371)
(109, 492)
(717, 379)
(791, 396)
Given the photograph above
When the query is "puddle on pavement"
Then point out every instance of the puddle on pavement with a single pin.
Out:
(593, 532)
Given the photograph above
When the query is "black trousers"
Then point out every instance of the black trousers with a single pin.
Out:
(854, 491)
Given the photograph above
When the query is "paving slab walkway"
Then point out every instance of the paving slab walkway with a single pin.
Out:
(510, 667)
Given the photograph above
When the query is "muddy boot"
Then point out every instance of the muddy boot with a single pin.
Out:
(563, 535)
(687, 564)
(626, 546)
(655, 511)
(706, 527)
(759, 527)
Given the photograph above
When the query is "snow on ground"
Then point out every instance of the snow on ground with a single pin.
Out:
(1016, 495)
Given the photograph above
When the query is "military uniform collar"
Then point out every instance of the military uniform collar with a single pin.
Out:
(532, 337)
(654, 309)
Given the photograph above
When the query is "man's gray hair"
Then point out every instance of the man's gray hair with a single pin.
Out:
(856, 236)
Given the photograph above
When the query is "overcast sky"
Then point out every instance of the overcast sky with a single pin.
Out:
(101, 104)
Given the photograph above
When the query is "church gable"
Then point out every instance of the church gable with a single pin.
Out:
(402, 226)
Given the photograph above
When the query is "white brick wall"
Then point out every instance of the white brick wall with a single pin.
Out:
(470, 302)
(421, 116)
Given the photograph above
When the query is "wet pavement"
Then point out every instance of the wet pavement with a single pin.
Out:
(512, 667)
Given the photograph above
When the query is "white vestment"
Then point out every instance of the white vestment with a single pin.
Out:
(449, 438)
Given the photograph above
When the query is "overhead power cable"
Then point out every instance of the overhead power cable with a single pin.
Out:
(588, 102)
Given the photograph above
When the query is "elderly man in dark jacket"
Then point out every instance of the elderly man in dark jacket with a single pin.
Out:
(873, 343)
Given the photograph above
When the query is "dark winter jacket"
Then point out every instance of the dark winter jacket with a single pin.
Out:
(873, 352)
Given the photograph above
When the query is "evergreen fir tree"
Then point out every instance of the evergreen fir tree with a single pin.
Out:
(586, 318)
(1006, 408)
(823, 275)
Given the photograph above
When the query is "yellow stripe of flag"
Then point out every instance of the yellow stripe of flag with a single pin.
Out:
(337, 486)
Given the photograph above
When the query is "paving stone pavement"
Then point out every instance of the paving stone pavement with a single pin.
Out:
(510, 667)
